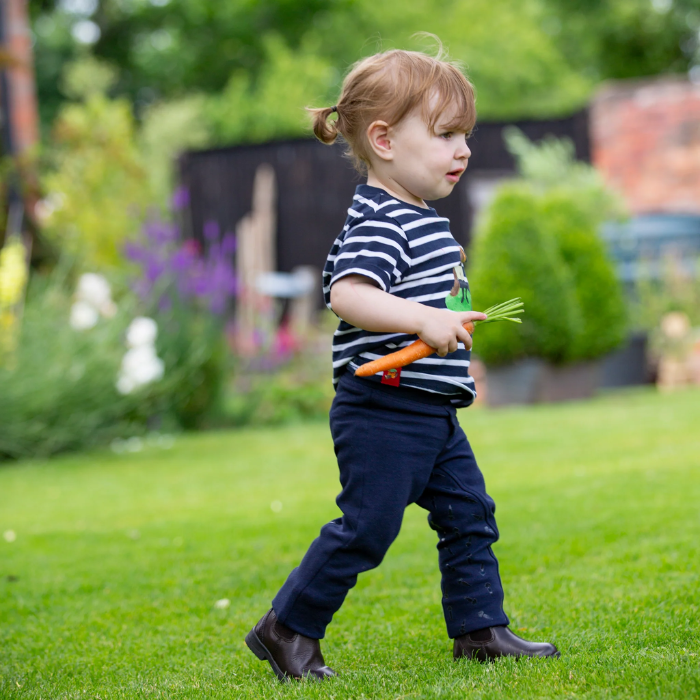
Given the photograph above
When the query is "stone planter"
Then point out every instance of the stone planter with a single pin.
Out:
(629, 365)
(533, 381)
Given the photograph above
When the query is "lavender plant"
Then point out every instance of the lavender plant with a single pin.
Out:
(171, 271)
(189, 291)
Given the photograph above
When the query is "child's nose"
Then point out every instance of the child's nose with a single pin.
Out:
(462, 152)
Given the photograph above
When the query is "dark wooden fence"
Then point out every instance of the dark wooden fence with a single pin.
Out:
(316, 183)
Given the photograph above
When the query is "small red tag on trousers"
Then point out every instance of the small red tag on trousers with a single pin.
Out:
(391, 376)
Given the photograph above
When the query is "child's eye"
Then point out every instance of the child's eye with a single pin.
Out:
(447, 135)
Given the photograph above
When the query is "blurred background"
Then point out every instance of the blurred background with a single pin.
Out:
(165, 213)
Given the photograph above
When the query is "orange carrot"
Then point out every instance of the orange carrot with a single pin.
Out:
(415, 351)
(507, 311)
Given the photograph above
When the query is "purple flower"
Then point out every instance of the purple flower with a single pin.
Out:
(229, 244)
(142, 288)
(160, 232)
(217, 305)
(181, 260)
(201, 280)
(211, 231)
(165, 304)
(154, 269)
(181, 198)
(133, 251)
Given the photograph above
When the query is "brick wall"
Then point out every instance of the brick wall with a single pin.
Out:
(646, 141)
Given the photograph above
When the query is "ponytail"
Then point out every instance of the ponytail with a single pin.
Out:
(325, 131)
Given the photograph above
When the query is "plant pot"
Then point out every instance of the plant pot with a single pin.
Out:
(533, 381)
(569, 382)
(629, 365)
(514, 383)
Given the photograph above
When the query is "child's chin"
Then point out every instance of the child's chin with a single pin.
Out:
(442, 191)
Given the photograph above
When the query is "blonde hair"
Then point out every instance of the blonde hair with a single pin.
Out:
(389, 86)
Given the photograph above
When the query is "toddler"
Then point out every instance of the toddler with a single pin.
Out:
(394, 274)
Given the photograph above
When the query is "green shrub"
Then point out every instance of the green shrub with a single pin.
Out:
(59, 392)
(550, 164)
(545, 249)
(514, 256)
(598, 290)
(282, 397)
(193, 349)
(96, 184)
(540, 242)
(167, 129)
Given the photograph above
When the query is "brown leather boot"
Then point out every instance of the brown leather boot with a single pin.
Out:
(490, 643)
(291, 655)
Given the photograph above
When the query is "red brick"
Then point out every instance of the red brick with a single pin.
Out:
(645, 139)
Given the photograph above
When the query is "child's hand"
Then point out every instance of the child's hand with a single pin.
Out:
(443, 329)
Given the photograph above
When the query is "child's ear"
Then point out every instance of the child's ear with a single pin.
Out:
(379, 140)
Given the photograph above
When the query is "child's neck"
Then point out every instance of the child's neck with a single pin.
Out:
(394, 189)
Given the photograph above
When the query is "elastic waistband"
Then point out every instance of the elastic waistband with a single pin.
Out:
(399, 392)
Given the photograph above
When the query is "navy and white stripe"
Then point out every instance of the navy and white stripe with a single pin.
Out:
(407, 251)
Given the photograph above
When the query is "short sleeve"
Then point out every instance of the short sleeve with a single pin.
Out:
(374, 248)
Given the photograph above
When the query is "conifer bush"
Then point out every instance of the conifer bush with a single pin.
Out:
(515, 256)
(544, 248)
(598, 291)
(540, 241)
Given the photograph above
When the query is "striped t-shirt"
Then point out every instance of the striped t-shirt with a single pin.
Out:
(407, 251)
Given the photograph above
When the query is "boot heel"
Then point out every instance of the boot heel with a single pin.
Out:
(255, 645)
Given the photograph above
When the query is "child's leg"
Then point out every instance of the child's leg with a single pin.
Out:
(462, 513)
(386, 450)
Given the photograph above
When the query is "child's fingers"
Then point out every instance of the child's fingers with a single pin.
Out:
(446, 347)
(471, 316)
(464, 336)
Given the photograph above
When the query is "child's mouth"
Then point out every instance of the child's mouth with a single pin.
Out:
(454, 175)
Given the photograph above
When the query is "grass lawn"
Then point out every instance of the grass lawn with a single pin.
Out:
(109, 589)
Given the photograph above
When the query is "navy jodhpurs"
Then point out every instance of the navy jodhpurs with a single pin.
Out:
(393, 451)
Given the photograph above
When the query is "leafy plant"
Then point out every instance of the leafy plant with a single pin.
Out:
(188, 293)
(59, 394)
(539, 241)
(167, 129)
(514, 256)
(301, 390)
(677, 288)
(544, 248)
(550, 164)
(67, 398)
(97, 186)
(598, 291)
(272, 105)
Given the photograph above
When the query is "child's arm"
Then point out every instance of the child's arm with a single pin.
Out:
(358, 301)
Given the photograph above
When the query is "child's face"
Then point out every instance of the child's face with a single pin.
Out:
(424, 164)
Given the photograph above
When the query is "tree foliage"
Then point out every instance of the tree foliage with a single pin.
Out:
(526, 57)
(617, 39)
